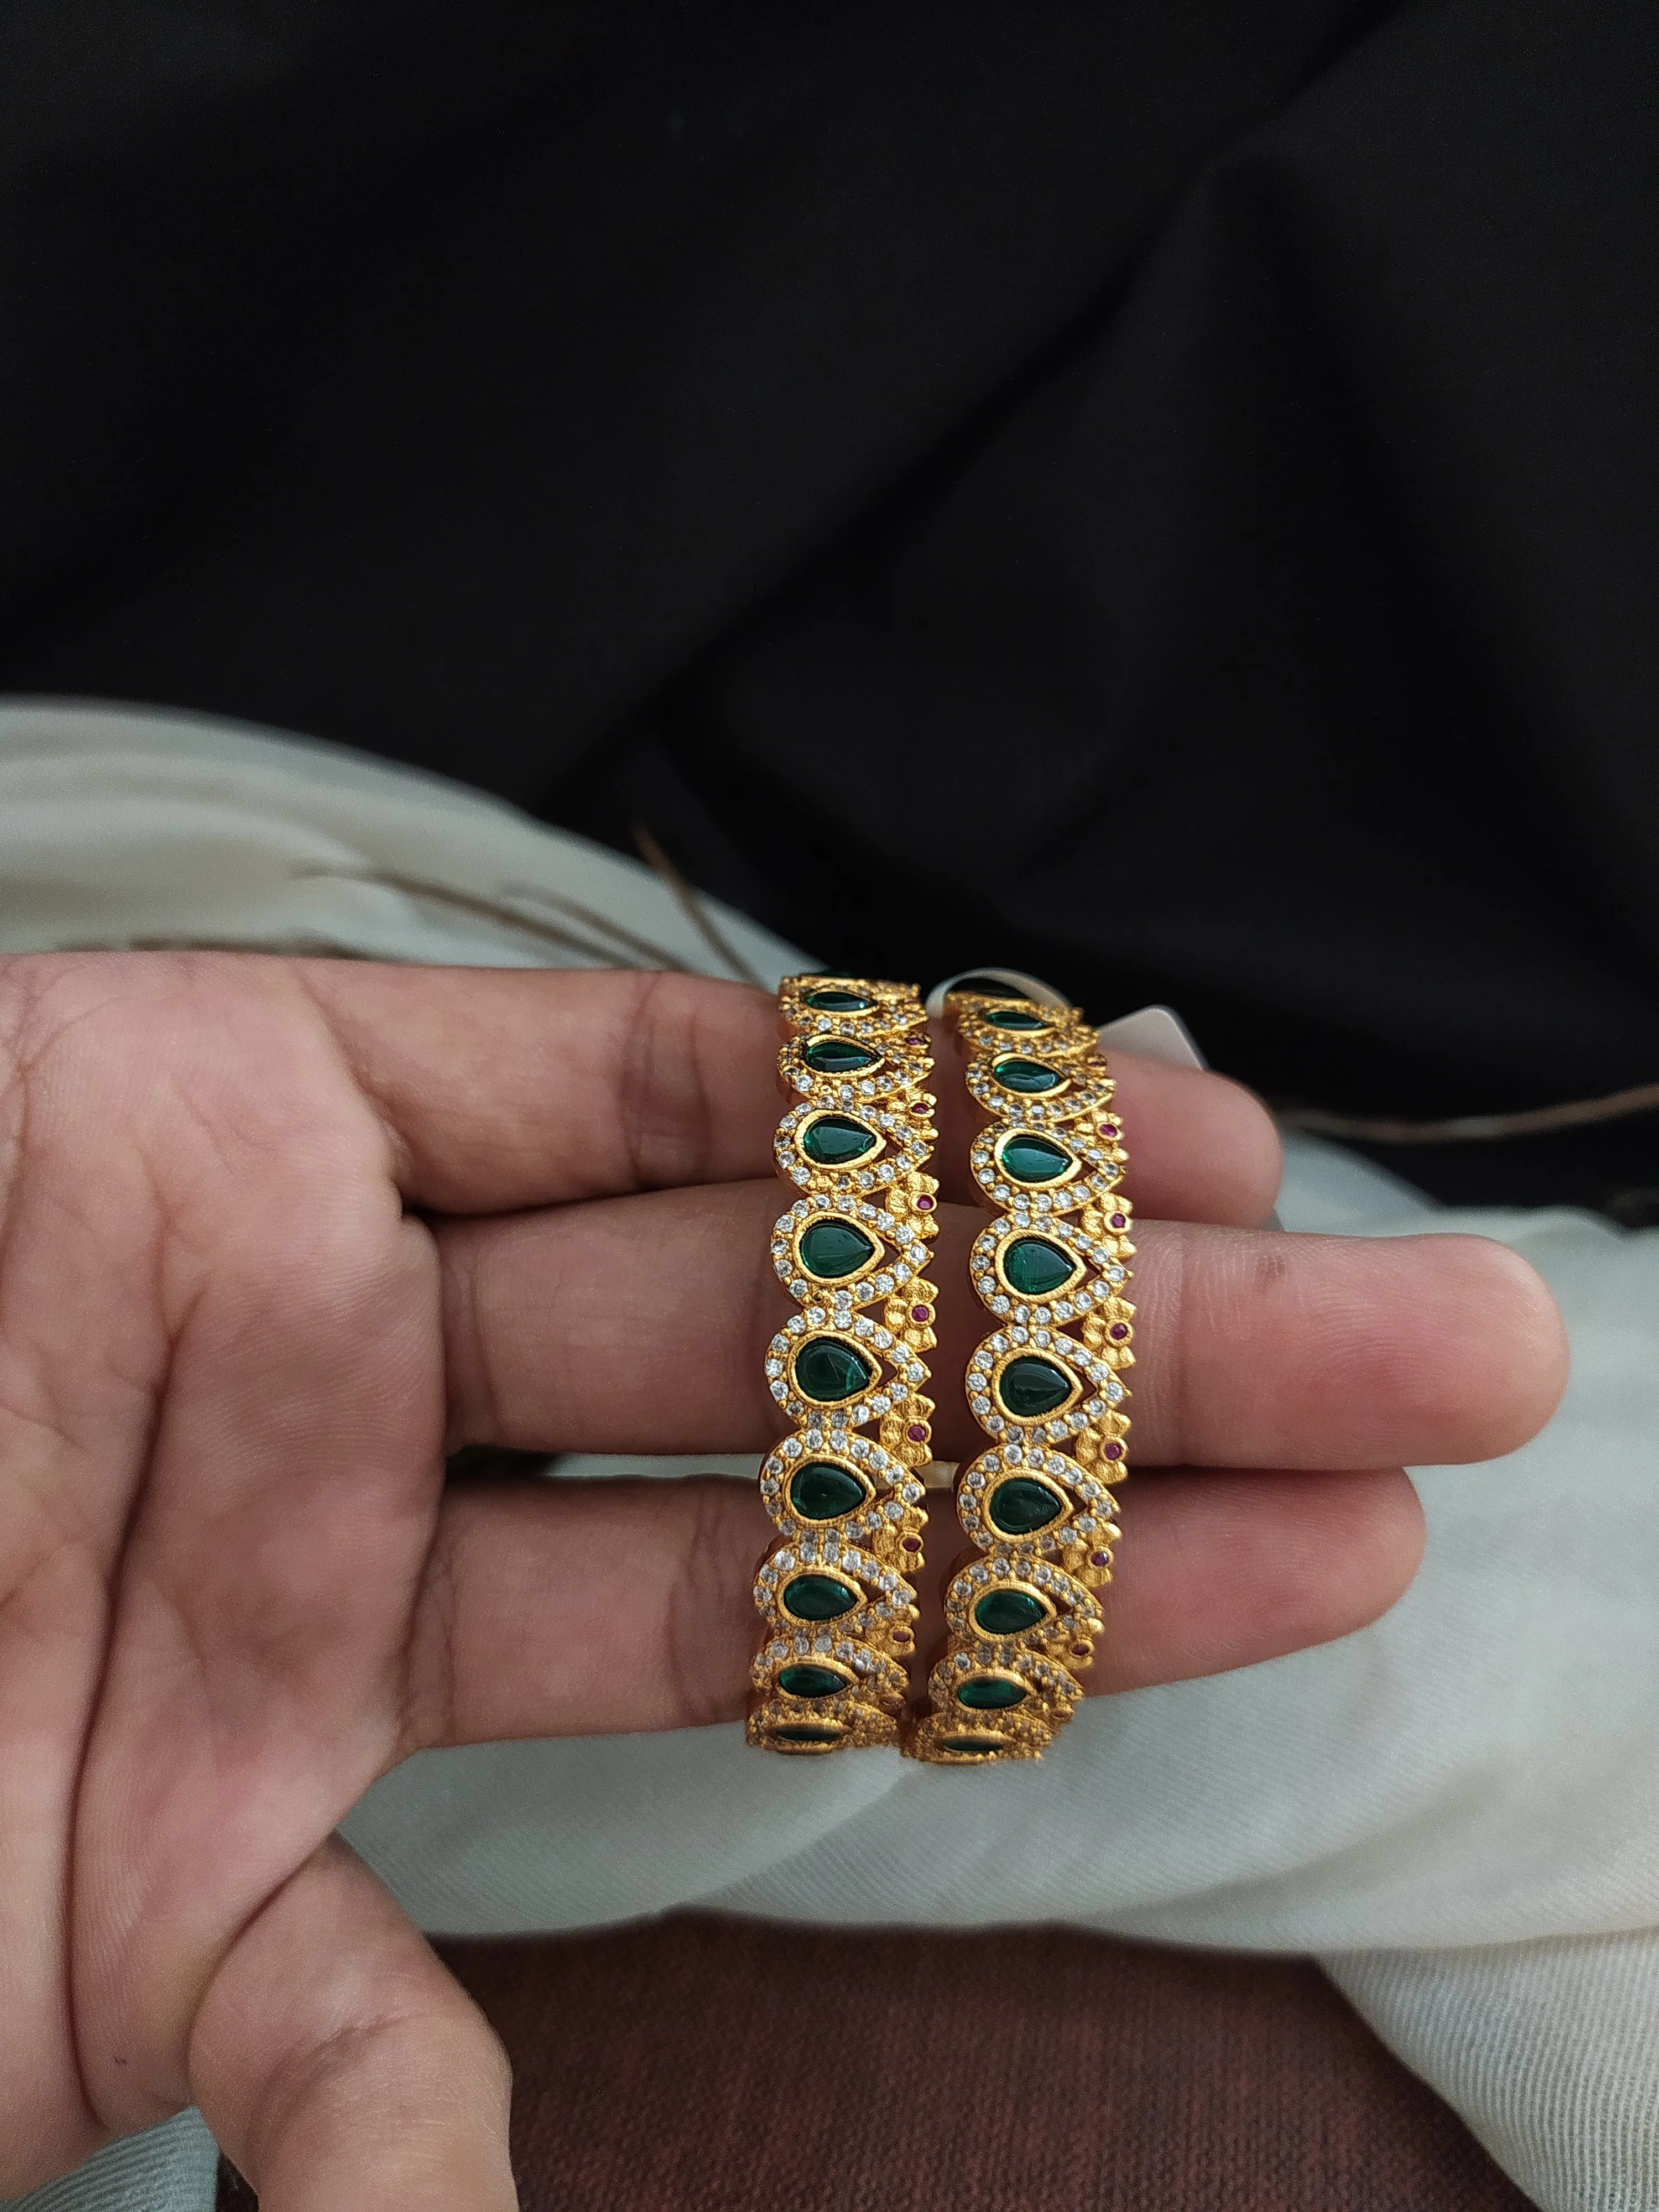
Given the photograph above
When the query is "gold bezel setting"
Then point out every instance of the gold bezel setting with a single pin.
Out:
(1069, 1612)
(1000, 1244)
(813, 1117)
(1055, 1523)
(1080, 1539)
(903, 1145)
(1082, 1087)
(867, 1677)
(858, 1596)
(897, 1063)
(893, 1511)
(1108, 1255)
(851, 1516)
(799, 1400)
(897, 1230)
(793, 1269)
(1042, 1680)
(1064, 1416)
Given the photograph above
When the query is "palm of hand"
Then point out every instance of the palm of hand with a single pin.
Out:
(233, 1590)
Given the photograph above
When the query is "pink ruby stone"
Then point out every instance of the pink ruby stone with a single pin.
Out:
(1083, 1652)
(924, 1206)
(1108, 1128)
(1120, 1221)
(917, 1433)
(913, 1543)
(1113, 1451)
(921, 1313)
(1100, 1558)
(1117, 1329)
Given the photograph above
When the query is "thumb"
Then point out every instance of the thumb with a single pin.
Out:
(338, 2062)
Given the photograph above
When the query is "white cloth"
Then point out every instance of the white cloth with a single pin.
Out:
(1457, 1810)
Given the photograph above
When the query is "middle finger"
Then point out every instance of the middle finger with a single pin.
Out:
(639, 1324)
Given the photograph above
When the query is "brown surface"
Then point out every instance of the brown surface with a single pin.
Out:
(702, 2065)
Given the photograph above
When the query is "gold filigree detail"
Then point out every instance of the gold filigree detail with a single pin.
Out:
(835, 1592)
(1045, 1385)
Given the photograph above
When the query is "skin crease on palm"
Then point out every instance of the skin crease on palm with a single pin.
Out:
(276, 1236)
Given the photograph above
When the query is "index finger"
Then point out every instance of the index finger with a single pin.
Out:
(504, 1088)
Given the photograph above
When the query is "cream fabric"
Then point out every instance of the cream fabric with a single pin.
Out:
(1458, 1809)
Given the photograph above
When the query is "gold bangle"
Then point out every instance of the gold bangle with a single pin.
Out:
(834, 1591)
(1045, 1385)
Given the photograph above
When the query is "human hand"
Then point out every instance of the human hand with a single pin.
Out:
(276, 1236)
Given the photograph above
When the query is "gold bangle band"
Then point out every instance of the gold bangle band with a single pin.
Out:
(835, 1592)
(1045, 1385)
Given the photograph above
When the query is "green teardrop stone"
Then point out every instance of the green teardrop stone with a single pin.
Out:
(830, 1000)
(838, 1056)
(802, 1733)
(830, 1248)
(1019, 1506)
(1010, 1018)
(1033, 1159)
(1034, 1267)
(810, 1681)
(1006, 1612)
(974, 1747)
(1029, 1388)
(1026, 1075)
(822, 1491)
(834, 1139)
(817, 1597)
(990, 1693)
(986, 986)
(827, 1371)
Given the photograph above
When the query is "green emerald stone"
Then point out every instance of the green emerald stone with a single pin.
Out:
(1006, 1612)
(986, 986)
(832, 1001)
(1019, 1507)
(817, 1597)
(1027, 1075)
(827, 1371)
(838, 1056)
(803, 1732)
(822, 1491)
(990, 1693)
(1033, 1159)
(975, 1746)
(829, 1248)
(1012, 1017)
(1034, 1267)
(1030, 1387)
(834, 1139)
(810, 1681)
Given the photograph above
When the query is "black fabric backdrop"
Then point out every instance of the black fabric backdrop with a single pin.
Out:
(1163, 496)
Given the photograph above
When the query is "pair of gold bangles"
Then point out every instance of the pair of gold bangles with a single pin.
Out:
(837, 1589)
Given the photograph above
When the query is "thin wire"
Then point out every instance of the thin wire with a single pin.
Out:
(1474, 1128)
(691, 905)
(494, 910)
(586, 914)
